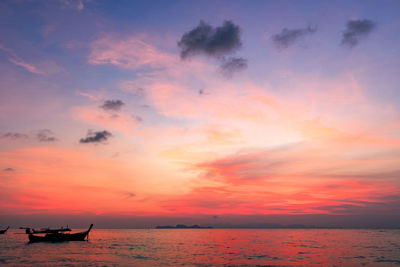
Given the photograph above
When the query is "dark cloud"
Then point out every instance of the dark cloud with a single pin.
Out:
(288, 37)
(205, 39)
(114, 105)
(8, 170)
(130, 194)
(140, 91)
(96, 137)
(361, 207)
(203, 91)
(356, 30)
(13, 136)
(137, 118)
(45, 135)
(233, 64)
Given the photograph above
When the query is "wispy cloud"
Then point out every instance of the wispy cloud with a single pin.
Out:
(137, 118)
(288, 37)
(128, 53)
(95, 137)
(357, 30)
(29, 67)
(114, 105)
(13, 136)
(129, 195)
(48, 29)
(45, 135)
(75, 4)
(42, 67)
(232, 65)
(94, 96)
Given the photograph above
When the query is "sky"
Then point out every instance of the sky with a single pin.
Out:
(204, 110)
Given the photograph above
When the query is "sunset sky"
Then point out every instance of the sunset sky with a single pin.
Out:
(199, 108)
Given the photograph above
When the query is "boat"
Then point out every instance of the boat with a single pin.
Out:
(4, 231)
(59, 236)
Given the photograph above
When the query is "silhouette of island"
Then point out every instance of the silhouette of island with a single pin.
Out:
(183, 226)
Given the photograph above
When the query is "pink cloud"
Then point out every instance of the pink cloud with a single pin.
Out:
(48, 29)
(25, 65)
(123, 122)
(75, 4)
(128, 53)
(334, 151)
(46, 67)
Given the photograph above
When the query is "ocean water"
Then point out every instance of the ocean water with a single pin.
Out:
(209, 247)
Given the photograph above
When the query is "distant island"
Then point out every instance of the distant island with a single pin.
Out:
(183, 226)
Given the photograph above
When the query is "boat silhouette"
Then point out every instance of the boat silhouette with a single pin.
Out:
(59, 236)
(4, 231)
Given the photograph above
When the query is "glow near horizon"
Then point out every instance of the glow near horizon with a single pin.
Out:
(308, 129)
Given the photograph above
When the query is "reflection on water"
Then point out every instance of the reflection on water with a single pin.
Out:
(206, 247)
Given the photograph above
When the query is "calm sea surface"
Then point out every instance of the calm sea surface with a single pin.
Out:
(210, 247)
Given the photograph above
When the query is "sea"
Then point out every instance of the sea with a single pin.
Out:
(209, 247)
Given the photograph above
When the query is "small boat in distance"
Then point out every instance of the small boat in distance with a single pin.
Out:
(59, 236)
(2, 232)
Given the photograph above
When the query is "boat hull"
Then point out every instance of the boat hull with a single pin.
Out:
(57, 237)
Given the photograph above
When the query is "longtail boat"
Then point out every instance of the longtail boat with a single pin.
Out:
(59, 236)
(4, 231)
